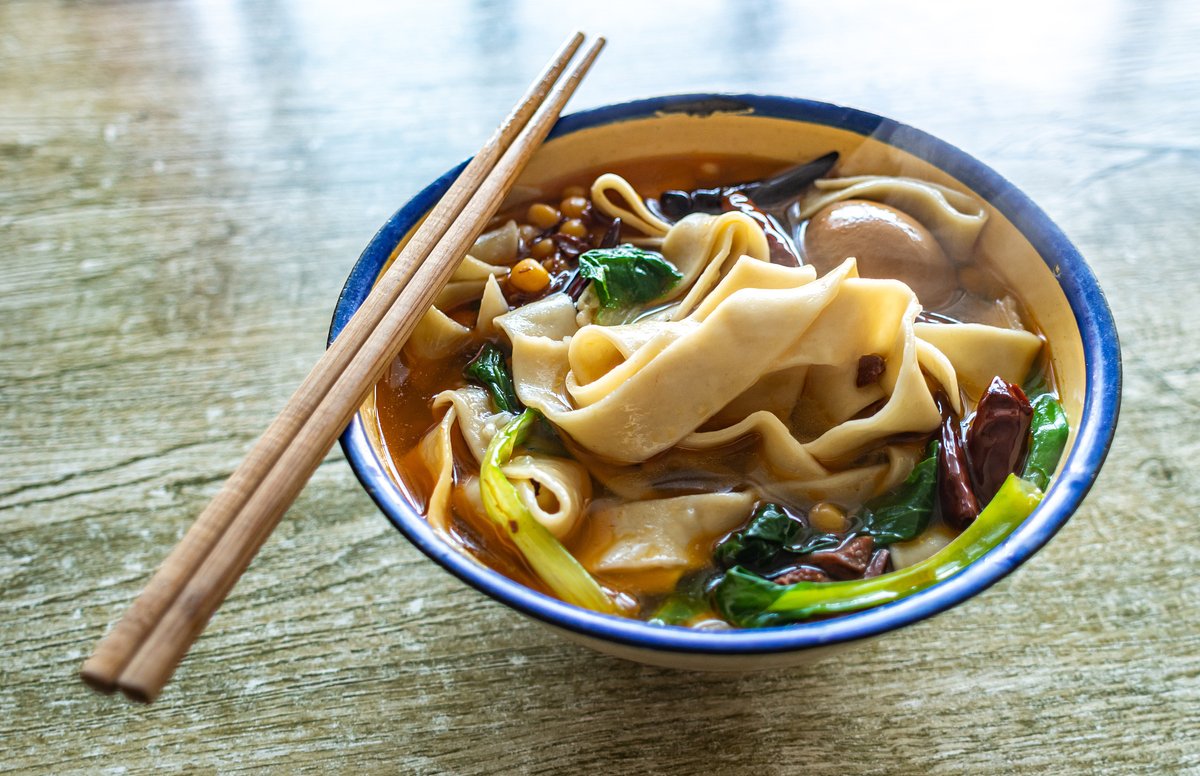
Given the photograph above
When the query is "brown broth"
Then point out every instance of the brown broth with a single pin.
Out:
(651, 177)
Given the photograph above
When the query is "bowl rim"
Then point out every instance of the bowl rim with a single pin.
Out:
(1102, 360)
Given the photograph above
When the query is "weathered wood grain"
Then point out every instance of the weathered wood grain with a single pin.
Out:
(183, 188)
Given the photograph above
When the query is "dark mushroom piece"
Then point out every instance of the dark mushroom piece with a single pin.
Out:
(847, 561)
(769, 193)
(781, 188)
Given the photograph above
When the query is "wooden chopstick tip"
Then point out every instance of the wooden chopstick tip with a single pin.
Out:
(589, 56)
(140, 695)
(98, 680)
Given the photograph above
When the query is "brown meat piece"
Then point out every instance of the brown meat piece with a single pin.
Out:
(801, 574)
(848, 561)
(870, 369)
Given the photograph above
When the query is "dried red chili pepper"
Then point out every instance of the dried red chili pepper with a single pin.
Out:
(957, 500)
(997, 437)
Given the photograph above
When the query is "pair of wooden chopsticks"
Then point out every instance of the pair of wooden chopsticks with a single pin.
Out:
(142, 650)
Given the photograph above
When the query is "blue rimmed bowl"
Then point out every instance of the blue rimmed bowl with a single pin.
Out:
(1028, 250)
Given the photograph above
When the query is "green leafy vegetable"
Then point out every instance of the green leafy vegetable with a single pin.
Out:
(1036, 382)
(553, 564)
(1048, 432)
(770, 529)
(749, 601)
(770, 532)
(903, 513)
(626, 276)
(489, 370)
(813, 542)
(688, 603)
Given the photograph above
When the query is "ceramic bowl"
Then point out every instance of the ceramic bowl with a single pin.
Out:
(1039, 262)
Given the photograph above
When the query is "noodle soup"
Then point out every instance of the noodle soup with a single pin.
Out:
(703, 390)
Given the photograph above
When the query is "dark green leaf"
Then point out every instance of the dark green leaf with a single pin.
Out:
(743, 597)
(1048, 432)
(812, 542)
(489, 370)
(770, 531)
(689, 601)
(625, 276)
(902, 513)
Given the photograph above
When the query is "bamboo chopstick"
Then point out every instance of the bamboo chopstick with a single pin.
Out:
(141, 652)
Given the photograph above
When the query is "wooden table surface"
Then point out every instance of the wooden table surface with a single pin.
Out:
(183, 189)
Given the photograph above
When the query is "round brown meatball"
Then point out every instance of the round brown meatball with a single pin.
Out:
(887, 243)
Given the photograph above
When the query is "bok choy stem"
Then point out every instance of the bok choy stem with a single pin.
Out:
(553, 564)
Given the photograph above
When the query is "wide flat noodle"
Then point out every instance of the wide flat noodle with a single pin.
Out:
(467, 282)
(938, 366)
(500, 245)
(436, 336)
(633, 212)
(555, 490)
(491, 306)
(672, 533)
(632, 411)
(704, 248)
(775, 392)
(476, 420)
(980, 353)
(954, 218)
(628, 393)
(436, 454)
(470, 413)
